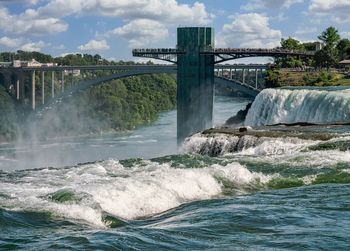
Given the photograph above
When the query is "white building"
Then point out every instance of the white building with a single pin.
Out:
(31, 63)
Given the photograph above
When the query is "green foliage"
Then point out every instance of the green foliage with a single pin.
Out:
(279, 78)
(295, 62)
(26, 56)
(272, 79)
(291, 44)
(328, 55)
(117, 105)
(344, 48)
(330, 37)
(309, 46)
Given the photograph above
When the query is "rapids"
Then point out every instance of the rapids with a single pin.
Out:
(220, 192)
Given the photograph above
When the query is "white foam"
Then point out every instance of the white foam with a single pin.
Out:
(125, 192)
(222, 144)
(273, 106)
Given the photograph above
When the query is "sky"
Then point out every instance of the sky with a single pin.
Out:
(112, 28)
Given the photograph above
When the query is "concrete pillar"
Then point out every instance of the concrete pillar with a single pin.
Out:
(195, 81)
(17, 88)
(243, 75)
(256, 78)
(231, 73)
(52, 84)
(42, 87)
(33, 90)
(21, 89)
(62, 82)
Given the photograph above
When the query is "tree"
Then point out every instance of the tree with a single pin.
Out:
(344, 48)
(290, 44)
(328, 56)
(309, 46)
(330, 37)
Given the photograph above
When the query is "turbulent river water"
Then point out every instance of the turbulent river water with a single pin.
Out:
(137, 192)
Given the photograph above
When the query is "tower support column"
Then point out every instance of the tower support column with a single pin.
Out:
(195, 81)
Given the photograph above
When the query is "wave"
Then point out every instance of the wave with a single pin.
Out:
(275, 106)
(221, 144)
(112, 193)
(109, 194)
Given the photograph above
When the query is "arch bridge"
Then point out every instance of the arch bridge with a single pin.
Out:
(196, 62)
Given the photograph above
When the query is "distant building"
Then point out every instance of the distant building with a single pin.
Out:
(31, 63)
(345, 63)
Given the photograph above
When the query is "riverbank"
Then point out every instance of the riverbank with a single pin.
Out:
(117, 106)
(283, 77)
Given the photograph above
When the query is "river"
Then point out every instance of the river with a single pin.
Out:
(135, 191)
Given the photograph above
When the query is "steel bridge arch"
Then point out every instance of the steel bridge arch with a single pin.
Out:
(86, 84)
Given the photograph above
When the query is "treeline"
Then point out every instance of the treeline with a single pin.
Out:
(69, 59)
(332, 49)
(117, 105)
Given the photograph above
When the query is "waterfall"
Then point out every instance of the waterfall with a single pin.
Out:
(319, 106)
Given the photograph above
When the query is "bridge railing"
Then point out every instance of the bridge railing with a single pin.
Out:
(156, 51)
(255, 50)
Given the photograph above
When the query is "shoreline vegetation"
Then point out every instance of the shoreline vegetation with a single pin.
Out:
(322, 70)
(284, 77)
(116, 106)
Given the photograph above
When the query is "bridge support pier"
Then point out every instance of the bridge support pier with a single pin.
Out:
(17, 88)
(42, 87)
(62, 82)
(195, 81)
(20, 93)
(52, 84)
(33, 90)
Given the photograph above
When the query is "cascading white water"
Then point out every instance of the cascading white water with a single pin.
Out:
(273, 106)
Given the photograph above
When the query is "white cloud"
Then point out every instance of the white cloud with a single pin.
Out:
(167, 11)
(338, 10)
(10, 42)
(33, 46)
(28, 23)
(141, 32)
(269, 4)
(155, 16)
(94, 45)
(249, 30)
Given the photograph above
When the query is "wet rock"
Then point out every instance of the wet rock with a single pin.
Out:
(239, 117)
